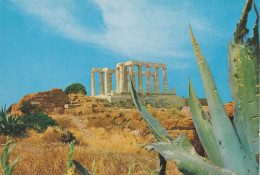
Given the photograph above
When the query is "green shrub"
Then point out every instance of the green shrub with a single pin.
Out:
(11, 125)
(29, 108)
(75, 88)
(38, 121)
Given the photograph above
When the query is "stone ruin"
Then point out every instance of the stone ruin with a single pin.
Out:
(121, 92)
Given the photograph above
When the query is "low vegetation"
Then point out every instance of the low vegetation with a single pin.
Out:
(38, 121)
(11, 125)
(75, 88)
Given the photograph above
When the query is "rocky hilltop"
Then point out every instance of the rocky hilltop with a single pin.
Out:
(99, 113)
(50, 102)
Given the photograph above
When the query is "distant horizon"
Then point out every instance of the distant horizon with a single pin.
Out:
(49, 44)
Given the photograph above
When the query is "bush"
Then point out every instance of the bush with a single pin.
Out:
(75, 88)
(29, 108)
(11, 125)
(38, 121)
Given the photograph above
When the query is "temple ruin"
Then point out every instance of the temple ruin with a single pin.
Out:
(121, 92)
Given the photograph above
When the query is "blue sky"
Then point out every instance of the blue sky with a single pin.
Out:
(47, 44)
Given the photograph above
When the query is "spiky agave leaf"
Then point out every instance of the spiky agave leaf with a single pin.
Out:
(232, 154)
(131, 168)
(244, 83)
(204, 128)
(181, 152)
(155, 127)
(7, 170)
(81, 168)
(94, 172)
(70, 170)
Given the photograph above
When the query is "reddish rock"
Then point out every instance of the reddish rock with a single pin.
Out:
(228, 106)
(50, 102)
(186, 124)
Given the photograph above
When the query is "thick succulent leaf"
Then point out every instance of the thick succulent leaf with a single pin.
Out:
(204, 128)
(231, 151)
(244, 83)
(81, 168)
(155, 127)
(241, 29)
(94, 172)
(186, 159)
(131, 168)
(13, 164)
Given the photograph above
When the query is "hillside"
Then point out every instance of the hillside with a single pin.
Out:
(109, 133)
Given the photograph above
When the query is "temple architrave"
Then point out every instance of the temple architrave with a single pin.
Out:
(121, 92)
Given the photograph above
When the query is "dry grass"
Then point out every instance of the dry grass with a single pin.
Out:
(109, 136)
(114, 153)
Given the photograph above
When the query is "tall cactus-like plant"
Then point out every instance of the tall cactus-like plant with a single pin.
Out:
(78, 166)
(6, 168)
(231, 150)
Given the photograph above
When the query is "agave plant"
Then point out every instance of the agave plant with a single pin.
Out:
(11, 125)
(6, 168)
(231, 149)
(78, 166)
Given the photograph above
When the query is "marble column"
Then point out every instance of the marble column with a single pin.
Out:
(117, 79)
(165, 89)
(148, 80)
(131, 73)
(121, 78)
(93, 83)
(101, 82)
(156, 87)
(109, 81)
(125, 89)
(140, 80)
(106, 80)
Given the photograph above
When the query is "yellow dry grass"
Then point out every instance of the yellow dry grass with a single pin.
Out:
(110, 138)
(113, 151)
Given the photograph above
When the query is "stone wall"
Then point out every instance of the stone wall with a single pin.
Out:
(49, 102)
(155, 100)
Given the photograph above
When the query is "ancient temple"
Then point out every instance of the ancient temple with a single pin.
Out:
(122, 71)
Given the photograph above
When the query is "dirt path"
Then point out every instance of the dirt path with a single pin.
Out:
(80, 123)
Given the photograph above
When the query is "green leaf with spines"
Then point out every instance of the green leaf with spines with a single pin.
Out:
(81, 168)
(230, 148)
(181, 152)
(7, 170)
(155, 127)
(94, 172)
(244, 84)
(204, 128)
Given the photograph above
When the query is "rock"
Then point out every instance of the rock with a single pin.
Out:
(228, 106)
(50, 102)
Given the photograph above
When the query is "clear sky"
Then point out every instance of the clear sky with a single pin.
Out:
(47, 44)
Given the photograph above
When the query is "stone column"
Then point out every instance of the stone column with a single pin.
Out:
(165, 90)
(101, 82)
(93, 83)
(117, 79)
(131, 73)
(156, 87)
(125, 89)
(106, 80)
(140, 80)
(110, 81)
(121, 78)
(148, 80)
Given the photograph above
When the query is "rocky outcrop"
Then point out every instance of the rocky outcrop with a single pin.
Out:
(228, 106)
(50, 102)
